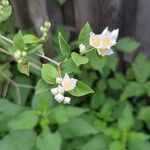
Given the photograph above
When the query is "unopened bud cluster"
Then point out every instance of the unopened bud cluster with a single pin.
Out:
(20, 55)
(3, 3)
(45, 30)
(65, 84)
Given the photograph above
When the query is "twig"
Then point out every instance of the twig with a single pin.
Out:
(5, 52)
(49, 59)
(6, 39)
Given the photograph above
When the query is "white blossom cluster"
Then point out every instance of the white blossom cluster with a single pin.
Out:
(2, 4)
(19, 55)
(102, 42)
(64, 84)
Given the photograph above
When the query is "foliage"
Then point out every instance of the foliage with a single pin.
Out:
(112, 114)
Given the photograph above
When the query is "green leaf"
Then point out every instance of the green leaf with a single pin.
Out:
(77, 128)
(81, 89)
(23, 67)
(144, 114)
(114, 84)
(141, 68)
(136, 136)
(30, 39)
(79, 59)
(49, 73)
(96, 62)
(85, 35)
(64, 47)
(49, 141)
(42, 101)
(116, 145)
(97, 99)
(127, 45)
(99, 142)
(9, 108)
(62, 114)
(24, 92)
(139, 145)
(18, 42)
(7, 11)
(68, 67)
(36, 48)
(133, 89)
(42, 86)
(18, 140)
(24, 120)
(126, 120)
(147, 87)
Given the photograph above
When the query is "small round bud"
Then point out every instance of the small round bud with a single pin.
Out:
(24, 54)
(59, 98)
(58, 80)
(4, 2)
(45, 34)
(60, 90)
(67, 100)
(47, 24)
(43, 29)
(17, 54)
(54, 91)
(82, 48)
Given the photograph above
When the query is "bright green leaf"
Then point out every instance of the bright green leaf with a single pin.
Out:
(30, 39)
(48, 141)
(49, 73)
(18, 42)
(64, 47)
(127, 45)
(24, 120)
(23, 67)
(79, 59)
(85, 35)
(81, 89)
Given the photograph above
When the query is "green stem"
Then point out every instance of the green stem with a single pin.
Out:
(88, 51)
(49, 59)
(6, 39)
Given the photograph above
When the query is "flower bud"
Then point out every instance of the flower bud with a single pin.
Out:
(17, 54)
(59, 98)
(47, 24)
(67, 100)
(24, 54)
(58, 80)
(82, 48)
(60, 90)
(4, 2)
(54, 91)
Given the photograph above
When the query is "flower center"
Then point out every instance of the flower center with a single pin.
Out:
(95, 41)
(106, 41)
(68, 85)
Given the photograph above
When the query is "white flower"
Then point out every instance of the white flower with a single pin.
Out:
(60, 90)
(82, 48)
(104, 52)
(67, 100)
(54, 91)
(17, 54)
(59, 98)
(108, 39)
(95, 40)
(68, 83)
(58, 80)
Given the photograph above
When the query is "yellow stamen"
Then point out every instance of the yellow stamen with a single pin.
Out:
(95, 41)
